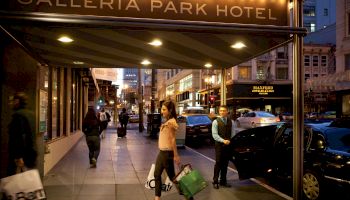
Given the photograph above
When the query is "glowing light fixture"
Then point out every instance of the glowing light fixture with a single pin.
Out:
(65, 39)
(156, 43)
(146, 62)
(78, 62)
(208, 65)
(238, 45)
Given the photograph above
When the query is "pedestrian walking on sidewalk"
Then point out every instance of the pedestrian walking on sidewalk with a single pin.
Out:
(167, 147)
(91, 129)
(22, 141)
(104, 119)
(223, 130)
(124, 118)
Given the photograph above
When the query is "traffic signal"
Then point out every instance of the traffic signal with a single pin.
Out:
(211, 99)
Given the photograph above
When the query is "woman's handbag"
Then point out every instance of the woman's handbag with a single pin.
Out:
(150, 182)
(192, 183)
(25, 185)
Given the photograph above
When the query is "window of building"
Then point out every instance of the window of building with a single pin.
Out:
(307, 76)
(315, 75)
(170, 90)
(324, 61)
(244, 72)
(282, 73)
(260, 73)
(325, 12)
(309, 11)
(186, 83)
(306, 60)
(315, 61)
(312, 27)
(347, 61)
(348, 24)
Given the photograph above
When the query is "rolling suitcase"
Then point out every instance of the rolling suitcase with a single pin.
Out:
(121, 132)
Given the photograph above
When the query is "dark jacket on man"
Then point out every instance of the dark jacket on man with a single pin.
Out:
(22, 140)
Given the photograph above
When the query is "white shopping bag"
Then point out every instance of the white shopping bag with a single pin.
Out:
(150, 182)
(25, 185)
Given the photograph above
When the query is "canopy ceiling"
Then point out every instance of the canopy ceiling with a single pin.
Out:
(107, 41)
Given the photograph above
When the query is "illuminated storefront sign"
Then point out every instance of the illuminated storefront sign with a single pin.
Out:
(260, 91)
(263, 89)
(268, 12)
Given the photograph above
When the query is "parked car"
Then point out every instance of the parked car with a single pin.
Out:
(287, 116)
(134, 118)
(198, 126)
(269, 151)
(330, 115)
(256, 118)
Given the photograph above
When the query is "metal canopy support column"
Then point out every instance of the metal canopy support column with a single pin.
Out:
(298, 102)
(223, 87)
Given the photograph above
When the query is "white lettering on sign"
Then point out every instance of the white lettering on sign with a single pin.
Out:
(237, 11)
(174, 8)
(132, 4)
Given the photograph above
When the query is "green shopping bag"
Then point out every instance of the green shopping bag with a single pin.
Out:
(192, 183)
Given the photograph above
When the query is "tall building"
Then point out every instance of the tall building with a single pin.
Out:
(342, 80)
(318, 14)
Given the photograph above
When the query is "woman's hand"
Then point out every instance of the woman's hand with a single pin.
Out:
(177, 159)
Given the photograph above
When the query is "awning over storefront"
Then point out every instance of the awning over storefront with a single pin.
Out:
(116, 34)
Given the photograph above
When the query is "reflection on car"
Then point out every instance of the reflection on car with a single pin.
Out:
(134, 118)
(269, 151)
(197, 125)
(256, 118)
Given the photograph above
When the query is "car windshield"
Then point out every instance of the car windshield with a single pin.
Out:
(339, 139)
(264, 114)
(198, 119)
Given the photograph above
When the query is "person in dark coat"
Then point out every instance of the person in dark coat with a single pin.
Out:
(123, 119)
(22, 142)
(91, 129)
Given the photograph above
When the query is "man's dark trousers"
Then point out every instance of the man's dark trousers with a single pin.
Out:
(222, 156)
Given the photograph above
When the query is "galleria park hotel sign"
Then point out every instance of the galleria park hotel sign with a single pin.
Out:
(273, 12)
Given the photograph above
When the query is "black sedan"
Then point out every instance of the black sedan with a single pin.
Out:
(269, 151)
(197, 126)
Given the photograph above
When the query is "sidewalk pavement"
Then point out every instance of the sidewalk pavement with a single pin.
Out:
(122, 169)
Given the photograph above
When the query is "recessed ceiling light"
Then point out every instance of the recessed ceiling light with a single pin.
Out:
(65, 39)
(208, 65)
(156, 43)
(78, 62)
(238, 45)
(146, 62)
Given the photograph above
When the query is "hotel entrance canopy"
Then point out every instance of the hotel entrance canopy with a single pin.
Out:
(117, 33)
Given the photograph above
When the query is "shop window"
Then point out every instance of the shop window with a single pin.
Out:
(54, 104)
(43, 102)
(244, 72)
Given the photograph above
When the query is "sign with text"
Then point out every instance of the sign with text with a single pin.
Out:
(267, 12)
(260, 91)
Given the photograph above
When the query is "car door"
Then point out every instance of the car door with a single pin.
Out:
(251, 150)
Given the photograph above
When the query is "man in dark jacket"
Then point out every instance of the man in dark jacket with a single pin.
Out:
(123, 118)
(222, 131)
(22, 140)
